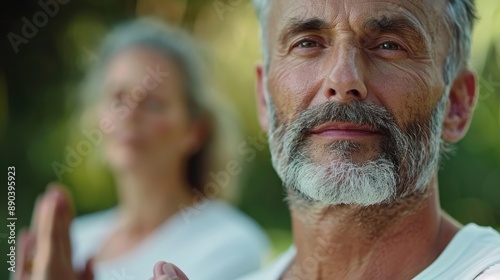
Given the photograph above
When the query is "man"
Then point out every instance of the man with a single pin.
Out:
(360, 99)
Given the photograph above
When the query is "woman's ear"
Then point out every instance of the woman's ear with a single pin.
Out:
(262, 109)
(200, 132)
(461, 102)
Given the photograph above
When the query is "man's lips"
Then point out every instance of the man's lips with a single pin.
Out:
(344, 130)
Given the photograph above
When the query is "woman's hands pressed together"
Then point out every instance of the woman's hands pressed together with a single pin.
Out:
(45, 249)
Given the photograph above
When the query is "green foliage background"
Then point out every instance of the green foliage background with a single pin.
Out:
(38, 98)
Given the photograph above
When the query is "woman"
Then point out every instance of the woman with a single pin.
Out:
(159, 130)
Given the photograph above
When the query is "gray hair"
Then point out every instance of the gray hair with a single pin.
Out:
(459, 18)
(152, 33)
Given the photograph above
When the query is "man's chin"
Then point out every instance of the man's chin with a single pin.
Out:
(342, 151)
(344, 201)
(330, 160)
(344, 182)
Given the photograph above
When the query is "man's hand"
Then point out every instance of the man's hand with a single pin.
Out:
(45, 249)
(167, 271)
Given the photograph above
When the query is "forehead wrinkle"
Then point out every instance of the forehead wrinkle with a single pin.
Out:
(323, 11)
(302, 11)
(296, 25)
(423, 13)
(390, 23)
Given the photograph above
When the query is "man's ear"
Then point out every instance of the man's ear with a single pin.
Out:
(461, 102)
(262, 109)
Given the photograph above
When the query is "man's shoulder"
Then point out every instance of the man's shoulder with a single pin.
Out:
(473, 237)
(471, 251)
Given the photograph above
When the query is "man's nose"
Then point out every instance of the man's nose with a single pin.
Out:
(345, 81)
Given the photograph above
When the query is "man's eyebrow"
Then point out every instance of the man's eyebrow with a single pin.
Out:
(297, 26)
(397, 24)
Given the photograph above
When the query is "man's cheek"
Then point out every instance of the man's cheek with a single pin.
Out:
(400, 93)
(294, 93)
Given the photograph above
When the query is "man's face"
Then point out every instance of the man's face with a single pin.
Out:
(355, 95)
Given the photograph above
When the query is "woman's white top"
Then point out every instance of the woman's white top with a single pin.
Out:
(472, 254)
(208, 241)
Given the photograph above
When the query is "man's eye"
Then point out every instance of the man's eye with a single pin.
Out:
(307, 44)
(390, 46)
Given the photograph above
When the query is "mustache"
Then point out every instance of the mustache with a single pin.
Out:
(289, 139)
(357, 112)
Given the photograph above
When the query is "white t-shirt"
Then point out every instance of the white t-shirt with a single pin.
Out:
(473, 253)
(208, 241)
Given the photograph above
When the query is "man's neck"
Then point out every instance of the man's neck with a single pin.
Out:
(392, 241)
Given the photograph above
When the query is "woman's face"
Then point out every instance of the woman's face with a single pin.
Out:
(145, 107)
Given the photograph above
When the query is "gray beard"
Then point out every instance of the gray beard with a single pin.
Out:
(405, 165)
